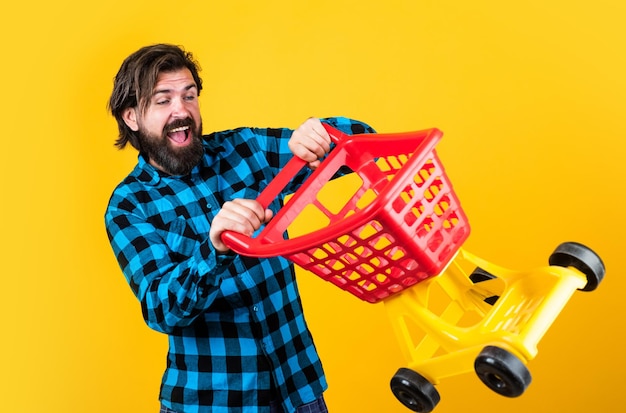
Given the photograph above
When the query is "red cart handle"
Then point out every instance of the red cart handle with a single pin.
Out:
(241, 243)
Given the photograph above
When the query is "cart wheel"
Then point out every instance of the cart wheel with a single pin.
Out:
(502, 371)
(414, 391)
(573, 254)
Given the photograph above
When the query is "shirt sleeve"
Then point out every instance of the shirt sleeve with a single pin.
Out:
(172, 291)
(349, 126)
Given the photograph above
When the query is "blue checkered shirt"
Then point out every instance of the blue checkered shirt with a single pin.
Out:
(237, 334)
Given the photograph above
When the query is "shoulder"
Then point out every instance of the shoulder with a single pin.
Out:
(128, 192)
(244, 140)
(245, 133)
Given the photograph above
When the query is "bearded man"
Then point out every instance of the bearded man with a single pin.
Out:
(238, 339)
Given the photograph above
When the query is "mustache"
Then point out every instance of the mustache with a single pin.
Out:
(179, 123)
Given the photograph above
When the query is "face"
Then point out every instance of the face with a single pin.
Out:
(170, 129)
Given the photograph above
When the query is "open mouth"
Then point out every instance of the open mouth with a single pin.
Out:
(179, 135)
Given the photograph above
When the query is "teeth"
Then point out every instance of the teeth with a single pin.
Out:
(182, 128)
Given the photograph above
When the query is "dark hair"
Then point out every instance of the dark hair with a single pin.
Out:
(135, 81)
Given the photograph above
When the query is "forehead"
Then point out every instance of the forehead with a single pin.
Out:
(170, 81)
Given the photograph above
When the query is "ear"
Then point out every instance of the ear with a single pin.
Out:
(130, 118)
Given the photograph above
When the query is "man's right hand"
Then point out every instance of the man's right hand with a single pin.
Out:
(244, 216)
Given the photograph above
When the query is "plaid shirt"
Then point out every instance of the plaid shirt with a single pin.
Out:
(237, 334)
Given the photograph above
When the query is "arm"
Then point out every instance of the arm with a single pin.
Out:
(172, 291)
(310, 142)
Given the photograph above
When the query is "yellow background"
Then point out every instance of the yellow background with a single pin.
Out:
(530, 96)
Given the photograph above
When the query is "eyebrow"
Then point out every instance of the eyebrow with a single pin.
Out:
(165, 91)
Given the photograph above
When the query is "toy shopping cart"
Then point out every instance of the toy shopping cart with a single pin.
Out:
(401, 225)
(395, 237)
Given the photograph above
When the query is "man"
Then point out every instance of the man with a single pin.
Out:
(238, 340)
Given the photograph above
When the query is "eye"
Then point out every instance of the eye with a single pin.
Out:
(162, 102)
(190, 98)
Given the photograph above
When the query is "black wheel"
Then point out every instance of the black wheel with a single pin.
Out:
(502, 371)
(573, 254)
(414, 391)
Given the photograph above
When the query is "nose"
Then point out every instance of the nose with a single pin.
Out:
(179, 109)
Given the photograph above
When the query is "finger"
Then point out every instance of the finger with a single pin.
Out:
(229, 221)
(302, 151)
(251, 209)
(318, 133)
(235, 216)
(314, 165)
(321, 131)
(309, 147)
(320, 142)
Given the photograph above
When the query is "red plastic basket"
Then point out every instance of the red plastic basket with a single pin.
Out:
(401, 225)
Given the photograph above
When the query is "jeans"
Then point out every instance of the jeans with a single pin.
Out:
(316, 406)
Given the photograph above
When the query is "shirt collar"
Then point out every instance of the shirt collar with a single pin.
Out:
(147, 173)
(150, 175)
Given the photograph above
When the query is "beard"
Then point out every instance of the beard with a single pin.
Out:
(171, 159)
